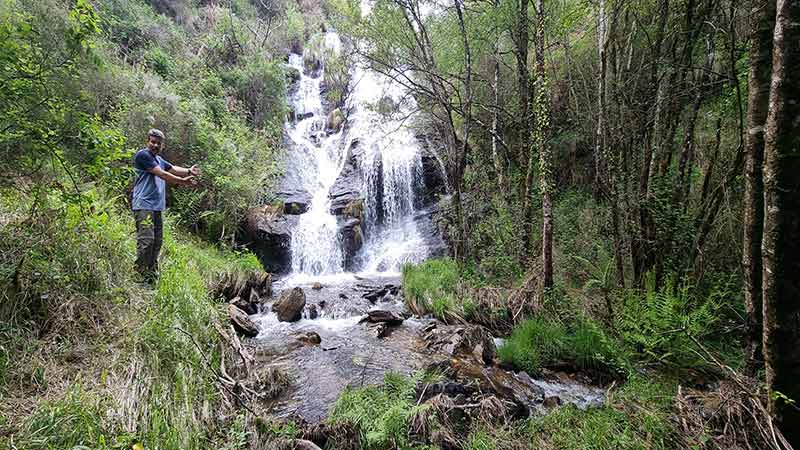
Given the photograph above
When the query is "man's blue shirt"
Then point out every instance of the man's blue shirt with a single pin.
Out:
(149, 191)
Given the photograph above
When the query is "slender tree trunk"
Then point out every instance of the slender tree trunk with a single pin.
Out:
(461, 160)
(709, 172)
(499, 166)
(542, 124)
(523, 99)
(600, 131)
(757, 107)
(781, 242)
(642, 246)
(687, 153)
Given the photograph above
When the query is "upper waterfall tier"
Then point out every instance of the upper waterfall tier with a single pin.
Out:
(361, 181)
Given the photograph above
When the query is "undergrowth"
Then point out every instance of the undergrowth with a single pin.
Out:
(87, 356)
(582, 344)
(382, 414)
(637, 417)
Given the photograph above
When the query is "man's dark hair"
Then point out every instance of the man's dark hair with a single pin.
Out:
(155, 133)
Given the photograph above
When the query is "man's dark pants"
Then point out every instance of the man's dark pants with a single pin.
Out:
(149, 234)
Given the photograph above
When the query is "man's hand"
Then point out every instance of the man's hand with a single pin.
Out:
(189, 181)
(195, 171)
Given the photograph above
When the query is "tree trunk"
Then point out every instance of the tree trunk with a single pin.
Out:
(757, 108)
(542, 123)
(499, 166)
(781, 241)
(523, 99)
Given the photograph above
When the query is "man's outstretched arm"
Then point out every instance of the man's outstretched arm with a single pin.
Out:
(171, 178)
(184, 172)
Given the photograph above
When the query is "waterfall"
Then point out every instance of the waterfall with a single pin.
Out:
(385, 156)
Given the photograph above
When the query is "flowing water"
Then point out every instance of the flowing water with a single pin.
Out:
(376, 158)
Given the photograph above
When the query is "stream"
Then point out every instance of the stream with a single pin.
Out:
(373, 165)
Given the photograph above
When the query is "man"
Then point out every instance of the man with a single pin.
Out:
(149, 200)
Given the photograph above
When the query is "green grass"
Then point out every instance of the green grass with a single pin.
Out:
(146, 354)
(431, 286)
(538, 343)
(635, 418)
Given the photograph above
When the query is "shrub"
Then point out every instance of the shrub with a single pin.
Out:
(659, 324)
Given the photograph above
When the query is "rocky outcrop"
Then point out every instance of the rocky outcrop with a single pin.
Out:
(245, 289)
(345, 190)
(289, 306)
(312, 64)
(352, 238)
(241, 323)
(309, 338)
(472, 341)
(334, 122)
(381, 316)
(292, 75)
(295, 201)
(376, 293)
(268, 233)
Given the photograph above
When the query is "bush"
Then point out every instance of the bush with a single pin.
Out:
(498, 245)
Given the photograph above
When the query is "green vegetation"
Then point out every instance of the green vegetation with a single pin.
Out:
(82, 83)
(142, 359)
(431, 285)
(382, 414)
(636, 416)
(582, 344)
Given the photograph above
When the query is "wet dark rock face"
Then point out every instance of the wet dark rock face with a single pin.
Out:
(268, 233)
(295, 201)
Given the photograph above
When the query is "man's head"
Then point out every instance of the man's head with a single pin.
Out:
(155, 140)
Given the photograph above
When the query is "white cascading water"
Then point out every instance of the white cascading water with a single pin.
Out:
(391, 159)
(315, 245)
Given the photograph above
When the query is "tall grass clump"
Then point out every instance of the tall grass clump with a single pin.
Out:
(431, 286)
(177, 347)
(76, 421)
(539, 343)
(635, 418)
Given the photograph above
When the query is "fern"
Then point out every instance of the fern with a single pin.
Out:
(659, 323)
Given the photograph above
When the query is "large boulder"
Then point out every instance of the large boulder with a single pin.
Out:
(295, 201)
(241, 323)
(268, 233)
(382, 316)
(335, 121)
(351, 236)
(289, 306)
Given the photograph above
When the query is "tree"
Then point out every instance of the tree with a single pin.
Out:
(780, 245)
(757, 107)
(541, 125)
